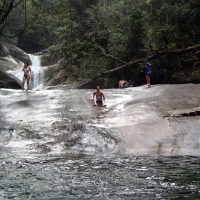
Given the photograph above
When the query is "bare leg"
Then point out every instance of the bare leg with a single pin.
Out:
(28, 79)
(23, 82)
(149, 85)
(103, 103)
(95, 101)
(148, 81)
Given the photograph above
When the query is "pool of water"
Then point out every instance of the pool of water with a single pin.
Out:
(99, 177)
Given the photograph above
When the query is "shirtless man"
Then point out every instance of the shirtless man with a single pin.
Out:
(123, 83)
(98, 96)
(27, 75)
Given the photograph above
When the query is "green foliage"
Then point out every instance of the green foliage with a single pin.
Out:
(82, 31)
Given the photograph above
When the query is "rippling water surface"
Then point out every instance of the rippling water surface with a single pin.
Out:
(90, 177)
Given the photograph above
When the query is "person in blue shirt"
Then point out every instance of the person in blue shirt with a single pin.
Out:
(148, 72)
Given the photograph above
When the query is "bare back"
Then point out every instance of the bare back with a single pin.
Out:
(122, 82)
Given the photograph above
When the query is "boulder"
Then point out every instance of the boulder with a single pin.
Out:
(9, 81)
(4, 51)
(186, 77)
(47, 57)
(18, 53)
(11, 57)
(8, 63)
(55, 75)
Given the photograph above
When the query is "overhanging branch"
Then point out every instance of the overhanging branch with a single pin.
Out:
(149, 58)
(112, 57)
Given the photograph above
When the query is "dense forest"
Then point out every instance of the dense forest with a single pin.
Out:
(109, 37)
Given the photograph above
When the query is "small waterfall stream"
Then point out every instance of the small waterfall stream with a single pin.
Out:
(37, 77)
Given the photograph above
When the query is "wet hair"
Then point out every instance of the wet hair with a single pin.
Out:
(26, 63)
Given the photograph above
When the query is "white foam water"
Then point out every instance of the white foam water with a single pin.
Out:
(37, 78)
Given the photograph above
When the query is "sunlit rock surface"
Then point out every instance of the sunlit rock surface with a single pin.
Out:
(161, 120)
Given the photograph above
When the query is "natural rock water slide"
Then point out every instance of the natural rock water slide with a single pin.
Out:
(136, 121)
(45, 132)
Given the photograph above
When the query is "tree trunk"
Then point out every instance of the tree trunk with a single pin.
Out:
(157, 54)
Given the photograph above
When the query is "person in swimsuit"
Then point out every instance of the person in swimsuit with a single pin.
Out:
(27, 75)
(98, 96)
(148, 72)
(123, 83)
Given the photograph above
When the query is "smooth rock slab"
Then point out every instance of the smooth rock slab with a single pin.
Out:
(137, 120)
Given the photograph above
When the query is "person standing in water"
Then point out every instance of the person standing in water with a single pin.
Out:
(27, 75)
(148, 72)
(98, 96)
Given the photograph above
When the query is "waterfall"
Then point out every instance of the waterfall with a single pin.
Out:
(37, 78)
(37, 73)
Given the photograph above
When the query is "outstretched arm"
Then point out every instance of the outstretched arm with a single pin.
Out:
(103, 96)
(94, 99)
(94, 95)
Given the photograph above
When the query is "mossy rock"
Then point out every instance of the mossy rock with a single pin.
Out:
(195, 76)
(47, 57)
(50, 72)
(56, 75)
(44, 60)
(186, 77)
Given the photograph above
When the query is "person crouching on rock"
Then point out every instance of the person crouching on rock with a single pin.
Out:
(98, 96)
(27, 75)
(123, 83)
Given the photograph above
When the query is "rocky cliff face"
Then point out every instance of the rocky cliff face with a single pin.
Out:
(10, 62)
(11, 57)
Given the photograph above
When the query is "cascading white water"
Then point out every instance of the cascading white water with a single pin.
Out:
(37, 78)
(37, 73)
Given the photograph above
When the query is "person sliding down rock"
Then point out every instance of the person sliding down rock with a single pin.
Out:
(98, 96)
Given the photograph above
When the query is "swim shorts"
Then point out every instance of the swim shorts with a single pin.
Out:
(99, 100)
(148, 74)
(124, 86)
